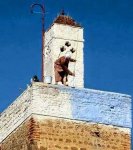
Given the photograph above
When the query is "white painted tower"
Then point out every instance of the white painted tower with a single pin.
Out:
(64, 29)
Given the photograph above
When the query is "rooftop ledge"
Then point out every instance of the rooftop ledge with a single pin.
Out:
(62, 87)
(65, 102)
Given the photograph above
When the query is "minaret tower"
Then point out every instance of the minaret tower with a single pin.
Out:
(65, 29)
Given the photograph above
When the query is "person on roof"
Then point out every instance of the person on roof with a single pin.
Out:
(61, 68)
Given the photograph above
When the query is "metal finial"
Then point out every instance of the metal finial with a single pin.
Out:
(63, 12)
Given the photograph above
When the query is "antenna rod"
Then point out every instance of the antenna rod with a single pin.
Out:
(43, 34)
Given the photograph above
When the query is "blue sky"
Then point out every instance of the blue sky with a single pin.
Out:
(108, 33)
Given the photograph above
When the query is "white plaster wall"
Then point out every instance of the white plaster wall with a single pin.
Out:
(56, 38)
(49, 35)
(65, 102)
(68, 32)
(15, 114)
(51, 101)
(38, 99)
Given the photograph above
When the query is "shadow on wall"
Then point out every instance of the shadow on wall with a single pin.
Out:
(42, 148)
(34, 146)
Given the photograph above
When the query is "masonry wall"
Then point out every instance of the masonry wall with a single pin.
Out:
(49, 133)
(83, 104)
(18, 139)
(15, 114)
(56, 37)
(64, 102)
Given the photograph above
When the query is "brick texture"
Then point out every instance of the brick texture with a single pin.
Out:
(43, 133)
(76, 104)
(18, 139)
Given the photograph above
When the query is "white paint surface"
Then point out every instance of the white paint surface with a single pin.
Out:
(65, 102)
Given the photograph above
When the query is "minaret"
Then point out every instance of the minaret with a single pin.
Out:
(65, 29)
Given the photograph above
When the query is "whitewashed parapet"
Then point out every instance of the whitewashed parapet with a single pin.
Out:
(65, 102)
(83, 104)
(15, 114)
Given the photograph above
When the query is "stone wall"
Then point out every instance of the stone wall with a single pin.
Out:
(83, 104)
(64, 102)
(50, 133)
(18, 139)
(15, 114)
